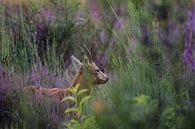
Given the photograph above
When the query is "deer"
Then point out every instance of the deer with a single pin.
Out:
(88, 74)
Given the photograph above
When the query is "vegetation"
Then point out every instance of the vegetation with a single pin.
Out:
(146, 47)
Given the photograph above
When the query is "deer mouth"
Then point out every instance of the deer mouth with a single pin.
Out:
(102, 81)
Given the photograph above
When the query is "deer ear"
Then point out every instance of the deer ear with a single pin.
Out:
(73, 58)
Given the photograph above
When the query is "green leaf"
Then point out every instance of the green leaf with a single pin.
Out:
(82, 91)
(74, 90)
(73, 121)
(67, 125)
(141, 99)
(71, 90)
(84, 100)
(71, 98)
(79, 109)
(77, 88)
(70, 110)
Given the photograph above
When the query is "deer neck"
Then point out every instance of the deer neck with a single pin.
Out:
(78, 79)
(81, 79)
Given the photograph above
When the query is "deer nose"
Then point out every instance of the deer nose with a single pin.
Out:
(107, 78)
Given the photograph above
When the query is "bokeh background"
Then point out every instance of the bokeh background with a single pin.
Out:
(145, 46)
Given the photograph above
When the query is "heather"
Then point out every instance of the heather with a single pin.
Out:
(145, 47)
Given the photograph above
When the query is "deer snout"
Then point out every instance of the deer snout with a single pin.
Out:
(102, 78)
(106, 78)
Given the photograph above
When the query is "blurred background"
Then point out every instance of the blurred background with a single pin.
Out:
(147, 47)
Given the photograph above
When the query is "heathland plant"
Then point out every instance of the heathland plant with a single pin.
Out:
(79, 120)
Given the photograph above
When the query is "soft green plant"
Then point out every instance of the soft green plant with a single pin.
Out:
(79, 99)
(142, 107)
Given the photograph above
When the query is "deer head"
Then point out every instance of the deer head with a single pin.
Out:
(92, 71)
(89, 72)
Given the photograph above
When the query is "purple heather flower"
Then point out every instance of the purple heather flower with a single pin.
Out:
(16, 9)
(6, 104)
(120, 11)
(94, 7)
(78, 14)
(102, 36)
(118, 24)
(42, 32)
(174, 33)
(60, 82)
(188, 56)
(103, 58)
(40, 76)
(94, 11)
(169, 35)
(191, 19)
(48, 15)
(7, 11)
(60, 8)
(42, 19)
(112, 42)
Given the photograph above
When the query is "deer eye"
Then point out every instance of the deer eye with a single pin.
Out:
(97, 70)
